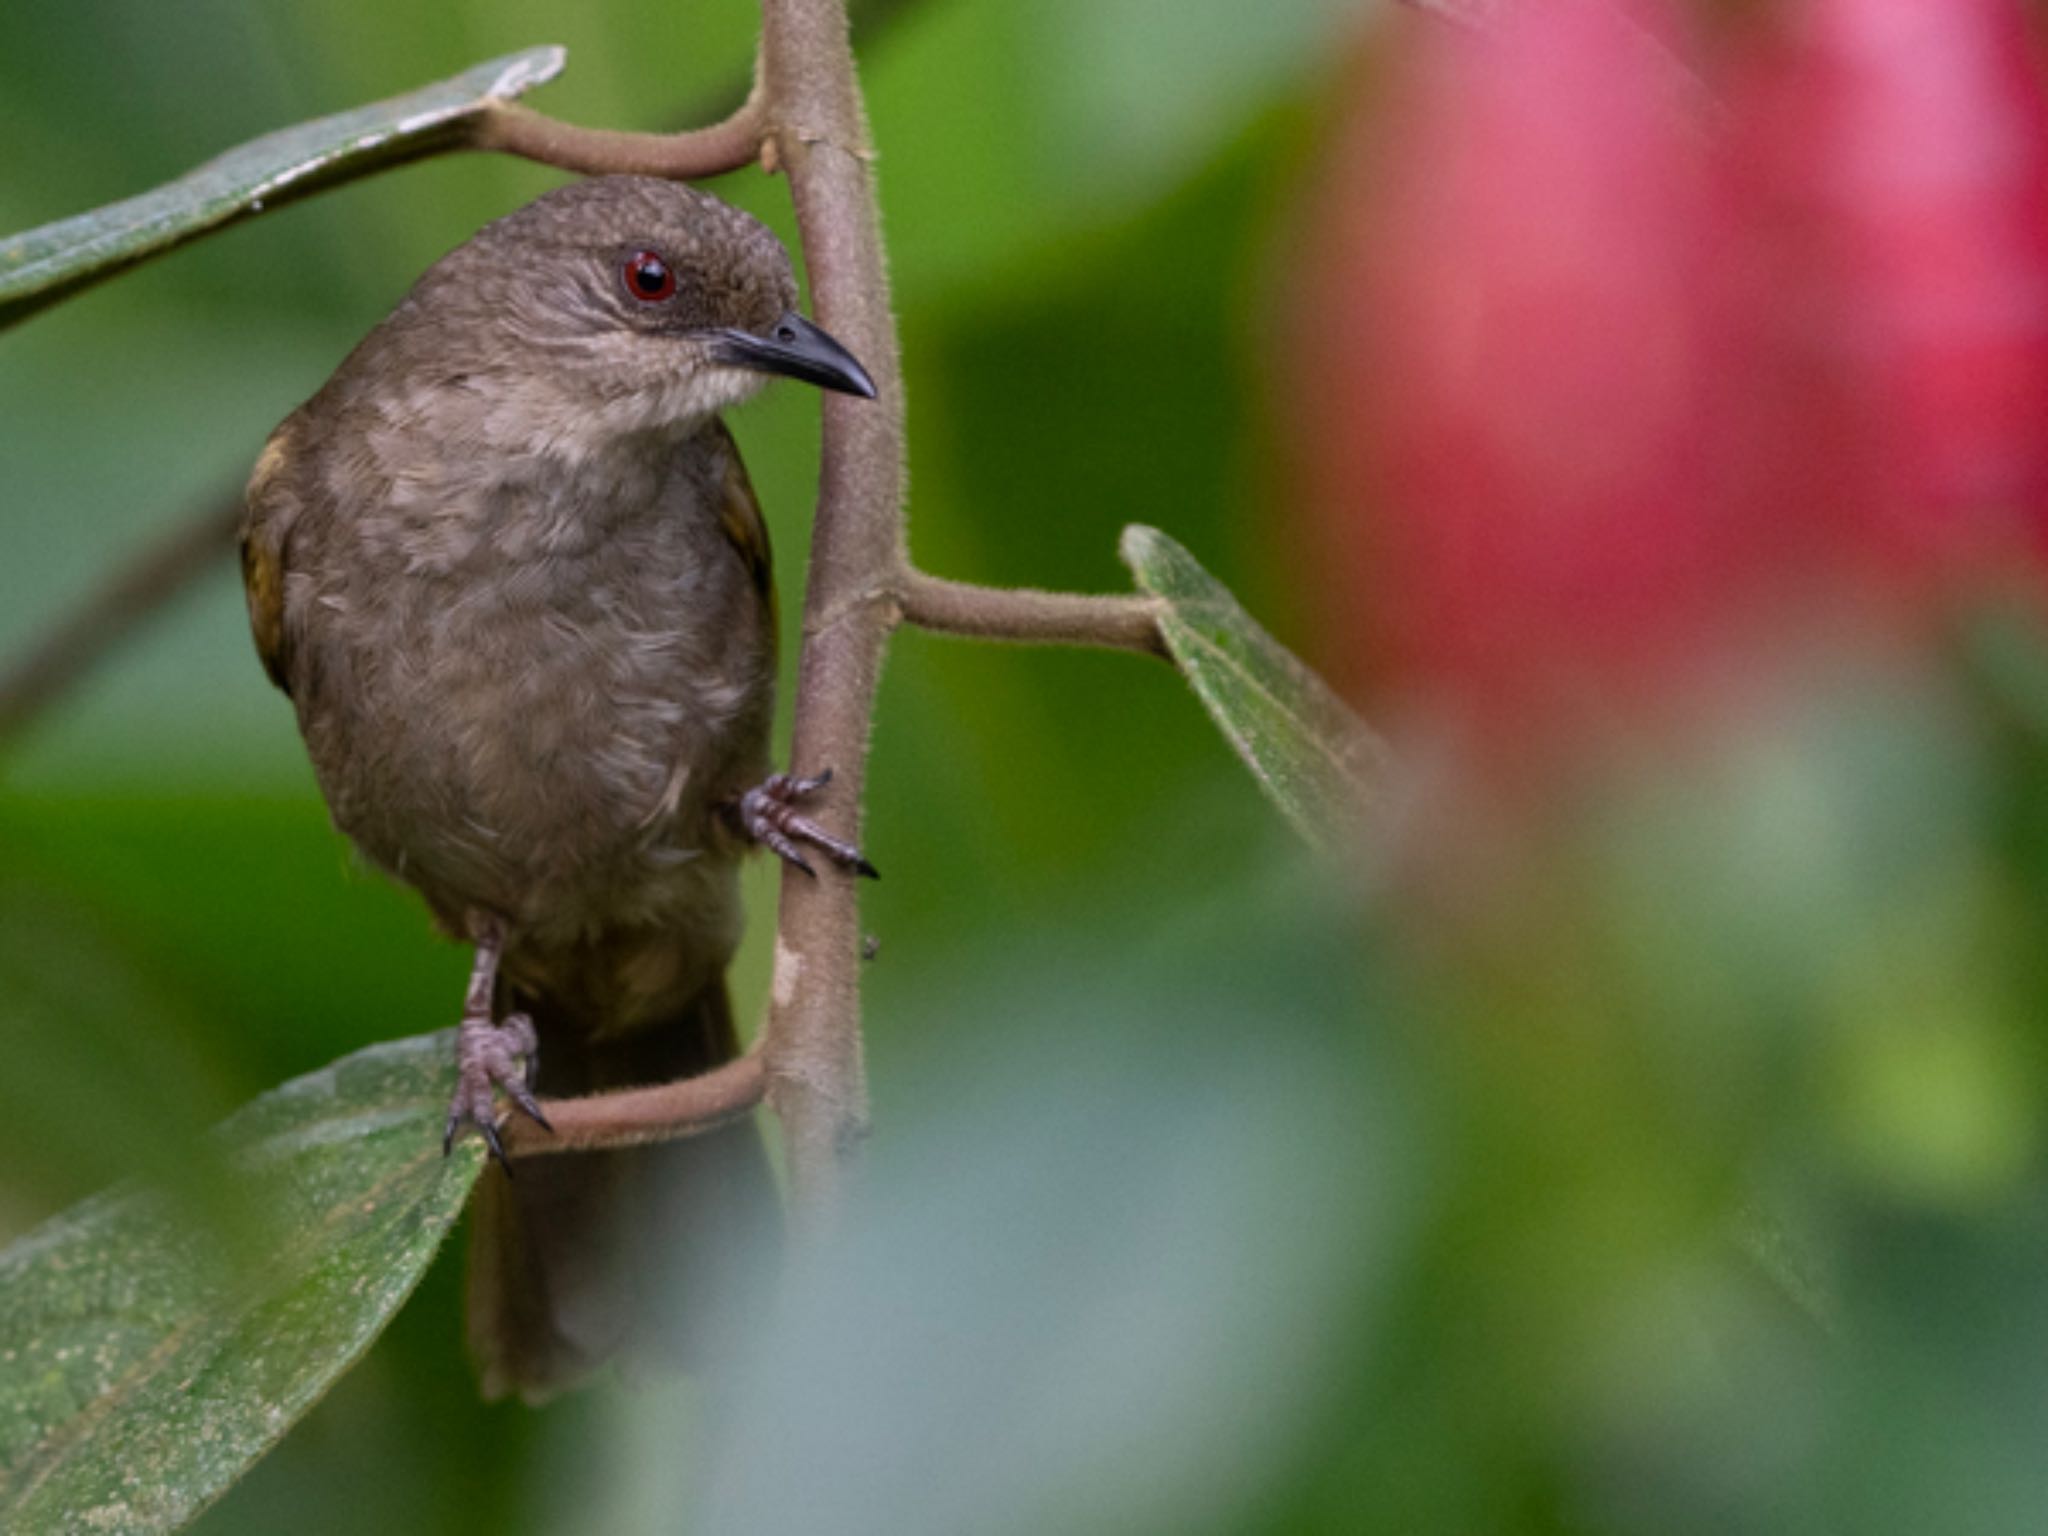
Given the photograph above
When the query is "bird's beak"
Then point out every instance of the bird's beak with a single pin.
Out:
(796, 349)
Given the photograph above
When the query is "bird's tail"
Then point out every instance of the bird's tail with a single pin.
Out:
(634, 1255)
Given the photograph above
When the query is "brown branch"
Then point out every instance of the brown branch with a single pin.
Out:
(873, 20)
(512, 129)
(635, 1116)
(73, 647)
(817, 1083)
(1029, 617)
(684, 153)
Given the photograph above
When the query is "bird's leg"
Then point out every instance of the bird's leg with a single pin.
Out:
(487, 1053)
(767, 814)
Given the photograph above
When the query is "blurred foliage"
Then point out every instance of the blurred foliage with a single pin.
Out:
(156, 1347)
(1689, 1174)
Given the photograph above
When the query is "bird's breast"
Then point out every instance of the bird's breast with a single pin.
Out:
(535, 686)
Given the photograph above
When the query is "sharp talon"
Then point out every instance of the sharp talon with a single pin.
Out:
(768, 815)
(488, 1061)
(526, 1104)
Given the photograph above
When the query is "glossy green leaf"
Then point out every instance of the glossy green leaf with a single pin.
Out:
(148, 1357)
(45, 264)
(1314, 758)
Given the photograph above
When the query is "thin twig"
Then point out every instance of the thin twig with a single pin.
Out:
(817, 1083)
(73, 647)
(636, 1116)
(512, 129)
(1120, 622)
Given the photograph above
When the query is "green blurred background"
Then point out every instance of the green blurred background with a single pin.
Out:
(1710, 1197)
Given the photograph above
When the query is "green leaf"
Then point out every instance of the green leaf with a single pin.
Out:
(148, 1358)
(1314, 758)
(46, 264)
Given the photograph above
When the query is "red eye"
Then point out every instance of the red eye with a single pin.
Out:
(648, 277)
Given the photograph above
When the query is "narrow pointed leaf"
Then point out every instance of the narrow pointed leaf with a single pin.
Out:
(147, 1357)
(1314, 758)
(46, 264)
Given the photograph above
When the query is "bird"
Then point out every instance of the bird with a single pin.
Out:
(510, 571)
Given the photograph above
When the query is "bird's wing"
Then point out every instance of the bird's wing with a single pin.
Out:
(739, 514)
(264, 528)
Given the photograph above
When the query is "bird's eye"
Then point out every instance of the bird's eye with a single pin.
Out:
(649, 278)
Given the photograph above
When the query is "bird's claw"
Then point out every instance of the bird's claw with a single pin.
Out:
(768, 814)
(488, 1059)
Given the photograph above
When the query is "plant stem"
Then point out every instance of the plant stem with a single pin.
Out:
(635, 1116)
(1029, 617)
(817, 1081)
(725, 146)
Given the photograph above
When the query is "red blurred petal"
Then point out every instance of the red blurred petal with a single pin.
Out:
(1895, 158)
(1601, 399)
(1510, 339)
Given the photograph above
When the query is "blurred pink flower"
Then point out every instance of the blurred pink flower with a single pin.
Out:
(1892, 161)
(1612, 385)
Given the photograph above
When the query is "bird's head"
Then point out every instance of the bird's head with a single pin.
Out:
(645, 302)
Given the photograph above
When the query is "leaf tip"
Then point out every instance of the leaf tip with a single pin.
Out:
(521, 72)
(1138, 547)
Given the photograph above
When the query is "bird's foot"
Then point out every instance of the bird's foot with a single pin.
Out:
(768, 814)
(487, 1058)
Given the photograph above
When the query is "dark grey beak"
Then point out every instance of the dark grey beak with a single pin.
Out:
(796, 349)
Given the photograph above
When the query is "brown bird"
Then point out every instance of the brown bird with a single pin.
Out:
(508, 566)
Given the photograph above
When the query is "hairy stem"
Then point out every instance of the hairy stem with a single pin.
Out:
(1119, 622)
(635, 1116)
(816, 1078)
(512, 129)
